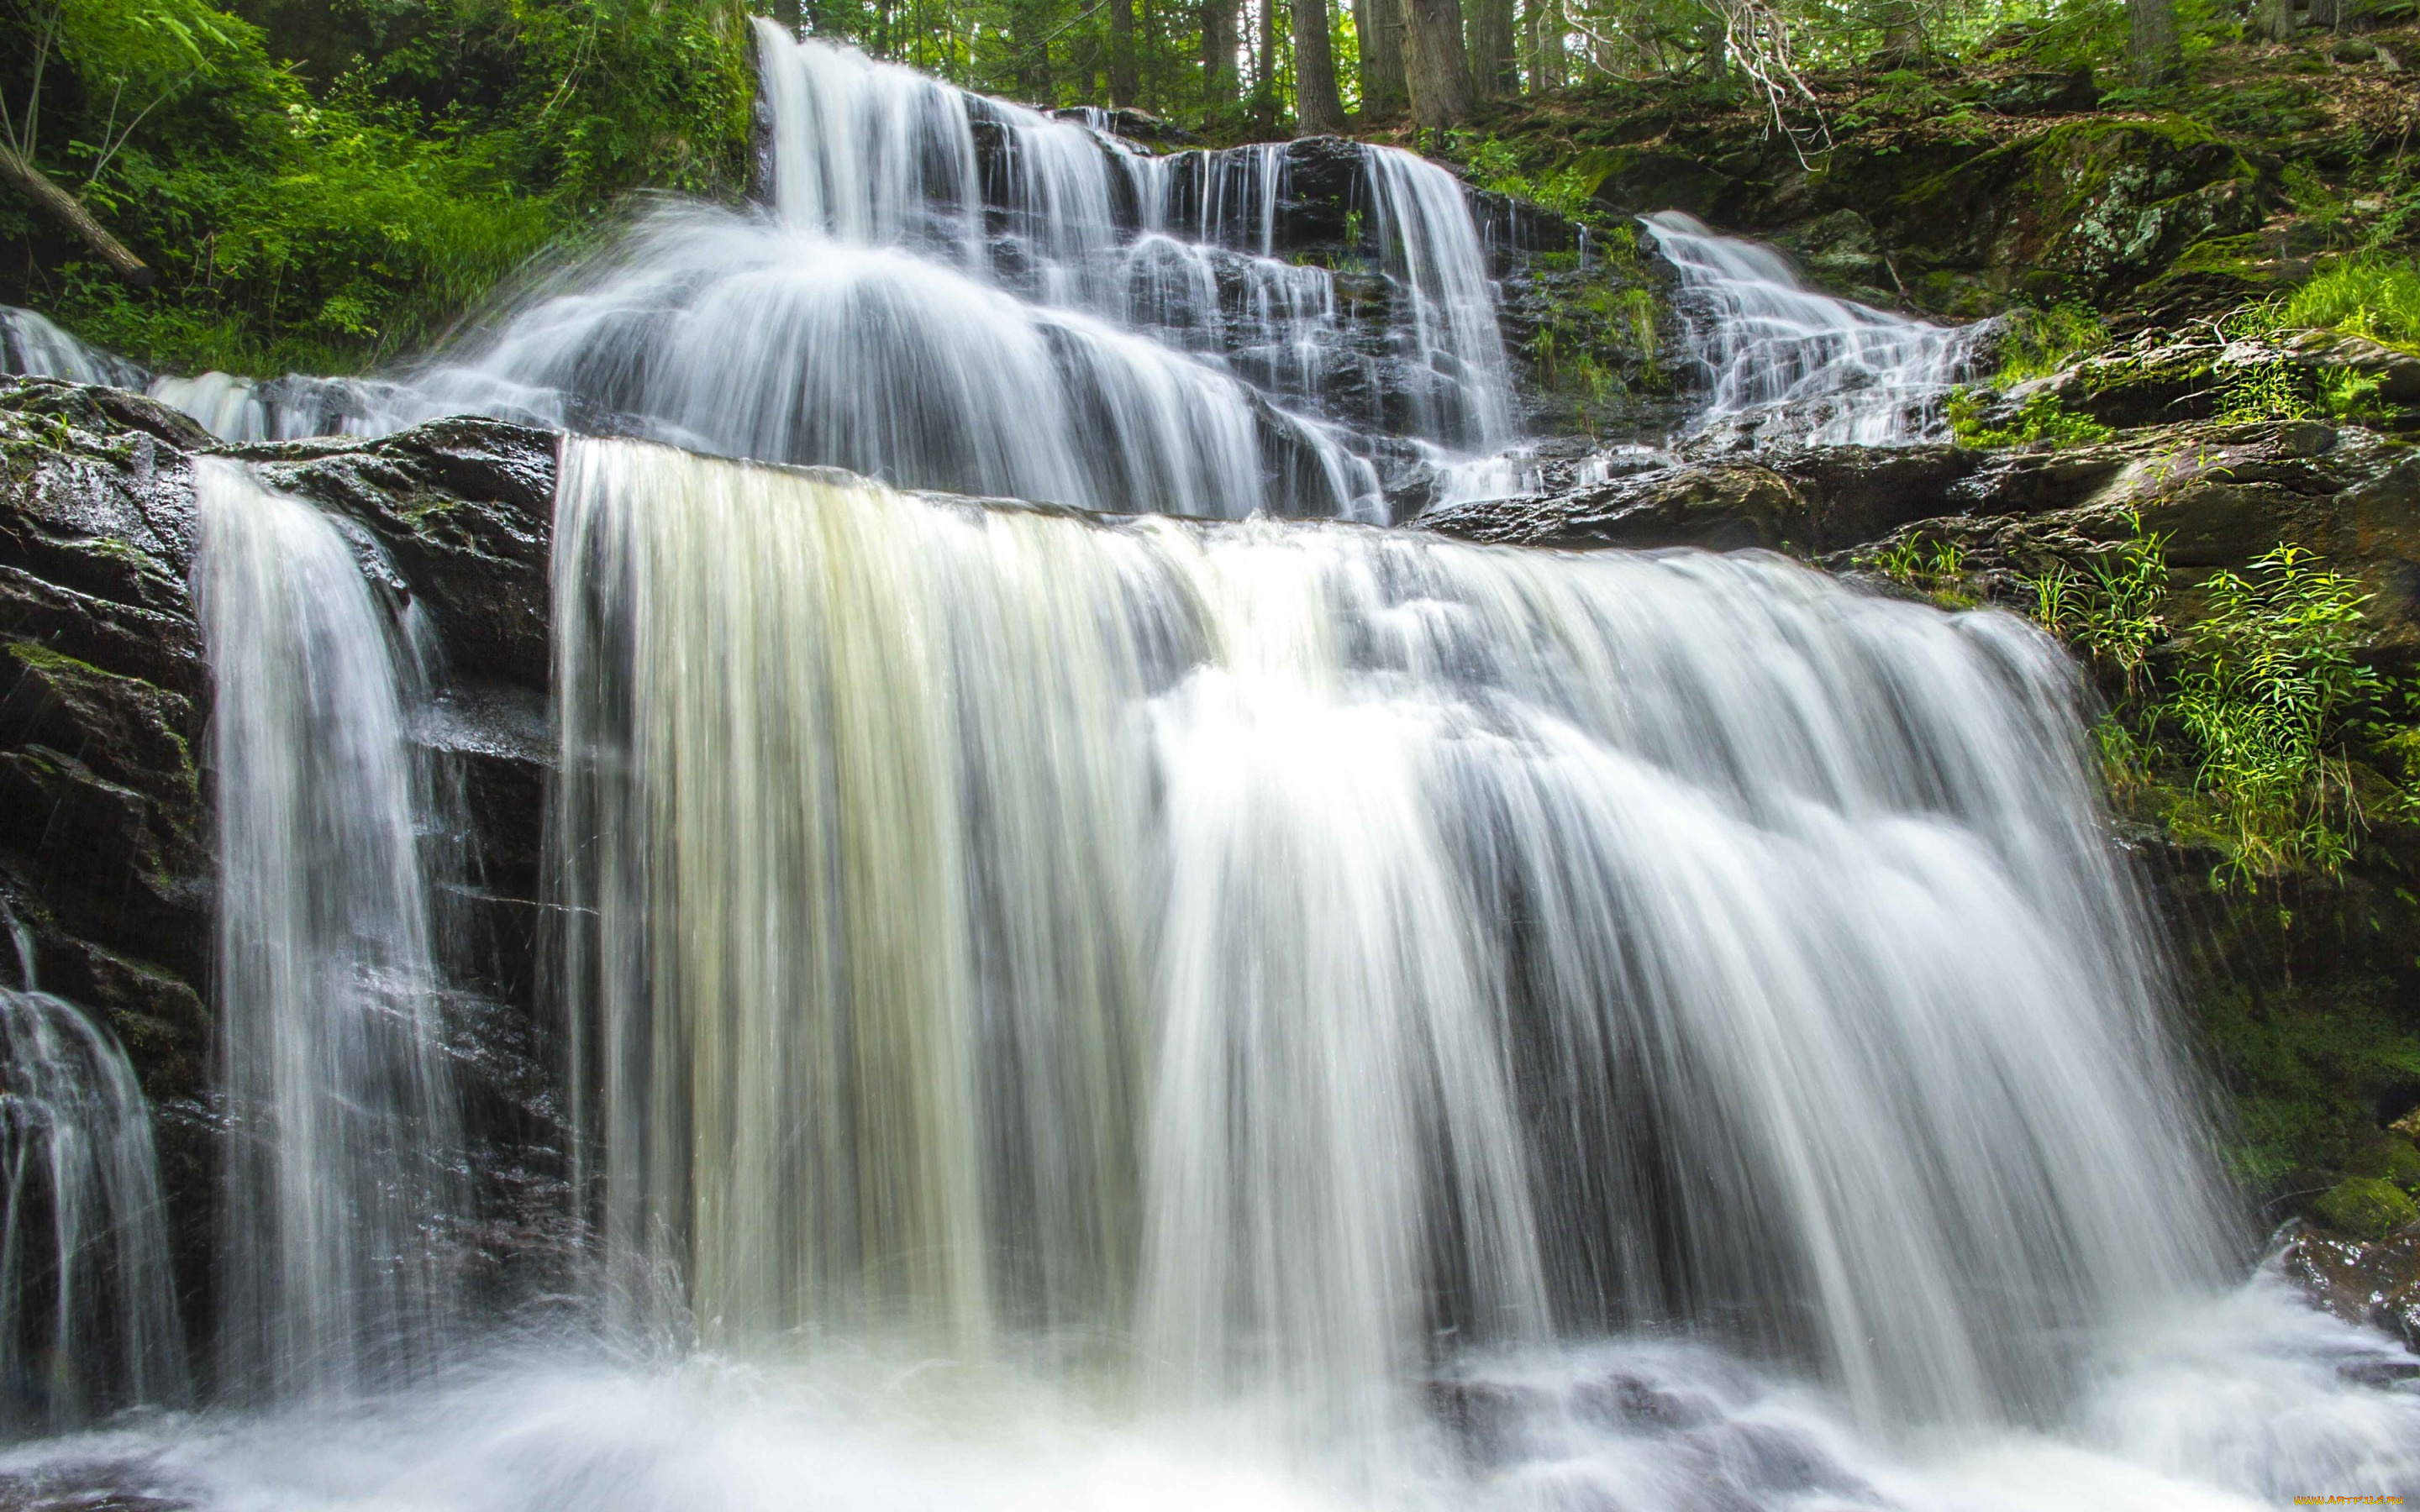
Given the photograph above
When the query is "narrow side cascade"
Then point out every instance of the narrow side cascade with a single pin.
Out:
(1801, 365)
(87, 1305)
(1271, 961)
(343, 1154)
(35, 346)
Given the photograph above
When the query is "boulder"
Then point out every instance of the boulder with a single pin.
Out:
(2373, 1282)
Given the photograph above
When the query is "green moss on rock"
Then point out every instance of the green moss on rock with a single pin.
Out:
(2366, 1207)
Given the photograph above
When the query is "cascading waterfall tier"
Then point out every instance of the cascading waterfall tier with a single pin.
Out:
(954, 292)
(87, 1308)
(32, 345)
(1267, 954)
(343, 1154)
(1798, 364)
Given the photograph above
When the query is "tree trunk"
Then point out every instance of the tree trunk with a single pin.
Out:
(1492, 72)
(2273, 20)
(786, 13)
(1434, 64)
(1903, 39)
(2327, 14)
(1318, 111)
(1124, 86)
(1264, 84)
(1218, 64)
(2152, 47)
(63, 207)
(1380, 27)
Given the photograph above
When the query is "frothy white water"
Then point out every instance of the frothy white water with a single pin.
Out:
(1265, 960)
(1643, 1424)
(1806, 365)
(88, 1306)
(343, 1149)
(228, 407)
(33, 345)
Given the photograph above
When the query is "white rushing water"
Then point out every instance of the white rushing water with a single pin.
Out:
(1801, 365)
(88, 1306)
(1089, 1015)
(32, 345)
(951, 291)
(343, 1151)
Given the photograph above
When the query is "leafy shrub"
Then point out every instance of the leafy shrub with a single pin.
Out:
(2265, 699)
(2036, 343)
(2276, 671)
(2264, 391)
(2040, 419)
(323, 232)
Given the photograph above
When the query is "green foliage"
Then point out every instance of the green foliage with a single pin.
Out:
(1567, 188)
(2268, 692)
(2265, 390)
(2040, 420)
(2275, 672)
(2037, 343)
(2113, 613)
(295, 230)
(2366, 1207)
(1936, 569)
(2377, 297)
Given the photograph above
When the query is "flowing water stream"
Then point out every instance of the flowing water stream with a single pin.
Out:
(87, 1312)
(1066, 1008)
(344, 1149)
(1792, 362)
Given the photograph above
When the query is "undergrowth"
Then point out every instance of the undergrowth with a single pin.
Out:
(2243, 727)
(2040, 420)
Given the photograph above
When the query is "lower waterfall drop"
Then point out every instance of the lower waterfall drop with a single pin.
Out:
(343, 1159)
(88, 1304)
(1296, 959)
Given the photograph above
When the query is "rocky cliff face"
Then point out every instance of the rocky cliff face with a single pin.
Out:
(105, 854)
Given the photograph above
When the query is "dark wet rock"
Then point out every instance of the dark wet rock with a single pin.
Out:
(1485, 1420)
(2222, 494)
(2375, 1282)
(1640, 1404)
(464, 508)
(1722, 506)
(2163, 382)
(104, 696)
(1813, 500)
(104, 704)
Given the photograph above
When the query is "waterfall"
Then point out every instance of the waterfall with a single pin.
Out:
(954, 292)
(229, 407)
(343, 1151)
(1288, 948)
(87, 1307)
(1799, 363)
(33, 345)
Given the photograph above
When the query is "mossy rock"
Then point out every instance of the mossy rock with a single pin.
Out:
(2391, 1157)
(2366, 1207)
(2092, 207)
(2214, 274)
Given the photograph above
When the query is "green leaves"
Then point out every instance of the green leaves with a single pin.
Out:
(2276, 668)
